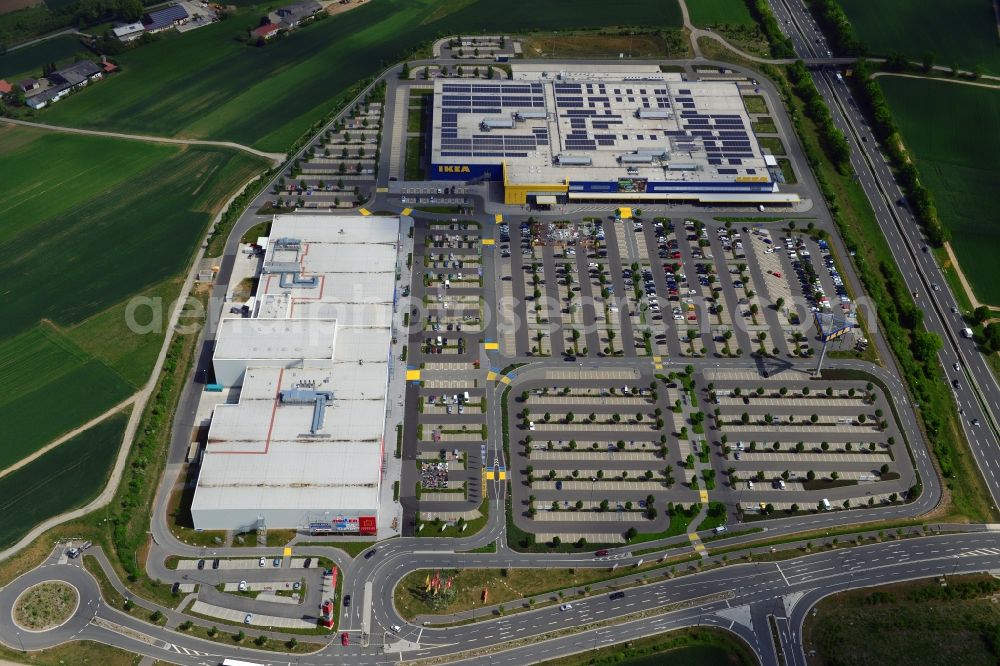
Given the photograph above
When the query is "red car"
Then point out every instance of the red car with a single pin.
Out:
(345, 639)
(601, 553)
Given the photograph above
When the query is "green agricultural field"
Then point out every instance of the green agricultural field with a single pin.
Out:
(950, 129)
(66, 477)
(48, 387)
(206, 84)
(19, 64)
(89, 223)
(716, 12)
(956, 31)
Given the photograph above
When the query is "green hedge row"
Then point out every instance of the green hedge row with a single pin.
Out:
(837, 27)
(781, 46)
(832, 139)
(922, 203)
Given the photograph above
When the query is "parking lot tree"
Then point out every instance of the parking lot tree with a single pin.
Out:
(760, 475)
(569, 417)
(240, 636)
(694, 483)
(600, 474)
(834, 475)
(603, 506)
(862, 418)
(546, 417)
(745, 418)
(768, 418)
(361, 151)
(628, 505)
(552, 474)
(776, 446)
(871, 446)
(555, 506)
(753, 446)
(690, 461)
(794, 508)
(592, 417)
(631, 533)
(572, 445)
(616, 417)
(620, 444)
(805, 390)
(624, 474)
(814, 418)
(811, 475)
(825, 446)
(638, 416)
(404, 72)
(783, 390)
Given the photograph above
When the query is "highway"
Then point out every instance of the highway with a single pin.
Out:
(978, 395)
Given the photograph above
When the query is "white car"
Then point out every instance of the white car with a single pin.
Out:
(396, 628)
(248, 618)
(566, 607)
(242, 587)
(263, 562)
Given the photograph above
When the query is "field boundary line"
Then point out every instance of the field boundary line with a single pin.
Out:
(62, 439)
(275, 158)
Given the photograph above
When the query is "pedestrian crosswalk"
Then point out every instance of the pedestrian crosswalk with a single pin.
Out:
(980, 552)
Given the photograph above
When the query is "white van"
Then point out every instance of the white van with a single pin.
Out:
(466, 396)
(826, 504)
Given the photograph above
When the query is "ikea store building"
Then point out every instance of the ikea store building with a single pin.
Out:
(620, 134)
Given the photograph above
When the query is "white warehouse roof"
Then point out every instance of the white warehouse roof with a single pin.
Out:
(305, 440)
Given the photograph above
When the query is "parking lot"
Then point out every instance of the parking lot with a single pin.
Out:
(688, 288)
(790, 442)
(448, 426)
(588, 454)
(338, 170)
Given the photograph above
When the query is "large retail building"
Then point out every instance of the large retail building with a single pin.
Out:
(302, 445)
(602, 133)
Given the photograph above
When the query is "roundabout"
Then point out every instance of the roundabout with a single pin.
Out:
(45, 606)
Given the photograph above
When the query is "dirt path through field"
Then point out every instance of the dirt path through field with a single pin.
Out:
(276, 158)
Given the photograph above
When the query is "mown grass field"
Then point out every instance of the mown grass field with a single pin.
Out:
(715, 12)
(15, 65)
(951, 131)
(89, 223)
(66, 477)
(956, 31)
(207, 84)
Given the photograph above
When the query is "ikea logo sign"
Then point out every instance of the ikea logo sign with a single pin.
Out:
(453, 169)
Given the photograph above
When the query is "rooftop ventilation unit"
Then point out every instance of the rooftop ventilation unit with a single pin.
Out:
(682, 166)
(636, 158)
(304, 397)
(654, 114)
(573, 160)
(497, 123)
(532, 115)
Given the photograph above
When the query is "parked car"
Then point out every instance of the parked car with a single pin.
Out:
(263, 562)
(242, 587)
(248, 618)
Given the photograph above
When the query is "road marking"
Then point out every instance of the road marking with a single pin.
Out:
(703, 496)
(381, 190)
(499, 218)
(778, 566)
(491, 345)
(489, 241)
(406, 211)
(364, 211)
(413, 375)
(505, 380)
(490, 376)
(288, 551)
